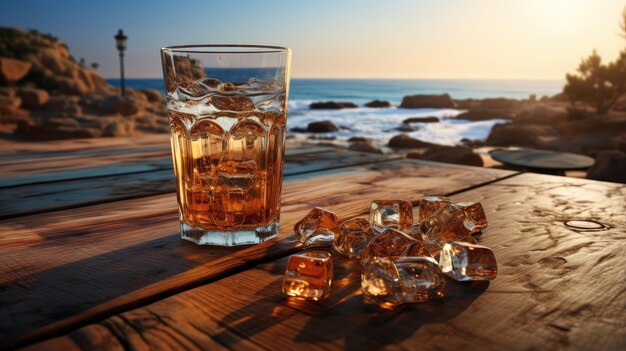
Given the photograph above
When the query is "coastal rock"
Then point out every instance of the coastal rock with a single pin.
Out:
(610, 166)
(119, 127)
(153, 95)
(404, 141)
(499, 103)
(32, 97)
(485, 114)
(429, 119)
(10, 111)
(60, 127)
(363, 146)
(510, 134)
(427, 101)
(12, 70)
(449, 154)
(112, 104)
(358, 138)
(331, 105)
(467, 104)
(549, 115)
(322, 127)
(378, 104)
(299, 130)
(406, 128)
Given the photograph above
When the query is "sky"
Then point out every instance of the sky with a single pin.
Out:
(465, 39)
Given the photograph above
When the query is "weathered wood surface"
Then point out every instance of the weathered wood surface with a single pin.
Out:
(66, 268)
(38, 167)
(557, 288)
(142, 176)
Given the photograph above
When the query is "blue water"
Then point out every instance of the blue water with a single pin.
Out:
(380, 124)
(363, 90)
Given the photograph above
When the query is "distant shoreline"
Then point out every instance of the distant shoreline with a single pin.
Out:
(362, 90)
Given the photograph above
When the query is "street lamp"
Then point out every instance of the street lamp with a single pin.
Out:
(120, 39)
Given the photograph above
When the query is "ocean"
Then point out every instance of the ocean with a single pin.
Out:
(380, 124)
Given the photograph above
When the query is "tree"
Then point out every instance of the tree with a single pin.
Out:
(598, 84)
(95, 65)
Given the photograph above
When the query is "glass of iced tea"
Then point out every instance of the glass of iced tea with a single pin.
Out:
(228, 109)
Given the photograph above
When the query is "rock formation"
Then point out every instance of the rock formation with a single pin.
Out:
(45, 94)
(428, 101)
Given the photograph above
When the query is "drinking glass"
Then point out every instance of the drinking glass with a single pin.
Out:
(227, 108)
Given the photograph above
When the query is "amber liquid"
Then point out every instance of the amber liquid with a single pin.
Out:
(228, 168)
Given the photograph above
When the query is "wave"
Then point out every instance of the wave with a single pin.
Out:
(379, 124)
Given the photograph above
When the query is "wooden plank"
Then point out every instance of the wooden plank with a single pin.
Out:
(62, 269)
(127, 181)
(20, 151)
(557, 288)
(72, 166)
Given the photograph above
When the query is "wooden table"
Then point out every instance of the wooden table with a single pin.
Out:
(91, 258)
(543, 161)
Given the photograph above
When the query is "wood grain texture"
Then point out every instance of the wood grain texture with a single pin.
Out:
(34, 168)
(64, 268)
(558, 288)
(132, 179)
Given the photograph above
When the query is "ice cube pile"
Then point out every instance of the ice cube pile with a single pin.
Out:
(404, 259)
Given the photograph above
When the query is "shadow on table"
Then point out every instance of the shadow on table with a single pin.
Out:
(63, 290)
(343, 317)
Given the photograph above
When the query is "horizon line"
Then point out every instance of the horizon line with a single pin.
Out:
(379, 78)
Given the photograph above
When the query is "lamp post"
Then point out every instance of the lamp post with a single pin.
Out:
(120, 40)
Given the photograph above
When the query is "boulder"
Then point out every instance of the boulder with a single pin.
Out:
(119, 127)
(541, 115)
(298, 130)
(124, 105)
(7, 92)
(32, 97)
(510, 134)
(10, 111)
(153, 95)
(12, 70)
(363, 146)
(484, 114)
(60, 127)
(502, 103)
(460, 155)
(331, 105)
(358, 138)
(610, 166)
(321, 137)
(378, 104)
(428, 101)
(403, 141)
(322, 127)
(429, 119)
(406, 128)
(467, 104)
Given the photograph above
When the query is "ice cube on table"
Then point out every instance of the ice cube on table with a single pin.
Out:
(388, 282)
(309, 275)
(420, 278)
(448, 222)
(430, 204)
(380, 282)
(391, 214)
(352, 236)
(464, 261)
(392, 243)
(317, 227)
(475, 214)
